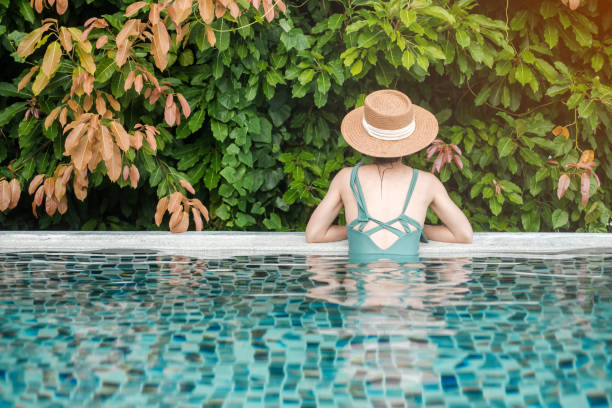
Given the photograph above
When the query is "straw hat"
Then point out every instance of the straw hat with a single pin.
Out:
(389, 125)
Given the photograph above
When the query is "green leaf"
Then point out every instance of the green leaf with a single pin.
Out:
(291, 195)
(223, 39)
(438, 12)
(495, 206)
(408, 16)
(323, 82)
(518, 21)
(523, 74)
(367, 39)
(8, 89)
(505, 147)
(530, 156)
(273, 222)
(559, 218)
(8, 113)
(26, 11)
(531, 221)
(306, 76)
(463, 38)
(196, 120)
(357, 67)
(335, 21)
(586, 108)
(407, 59)
(597, 62)
(219, 130)
(105, 70)
(546, 69)
(551, 35)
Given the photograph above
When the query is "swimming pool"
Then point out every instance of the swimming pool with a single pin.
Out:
(135, 329)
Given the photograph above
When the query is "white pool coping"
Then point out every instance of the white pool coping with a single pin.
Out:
(232, 243)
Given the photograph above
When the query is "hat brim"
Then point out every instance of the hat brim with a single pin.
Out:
(426, 129)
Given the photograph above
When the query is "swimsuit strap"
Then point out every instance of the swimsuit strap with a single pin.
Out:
(415, 175)
(358, 193)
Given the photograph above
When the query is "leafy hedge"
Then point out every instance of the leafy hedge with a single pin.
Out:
(522, 90)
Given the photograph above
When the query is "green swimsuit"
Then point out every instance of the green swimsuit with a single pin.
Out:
(361, 246)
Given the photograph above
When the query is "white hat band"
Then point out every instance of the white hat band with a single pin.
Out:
(389, 134)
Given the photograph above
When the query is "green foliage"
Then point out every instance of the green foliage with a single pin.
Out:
(263, 141)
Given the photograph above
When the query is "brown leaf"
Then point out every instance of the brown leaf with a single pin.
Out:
(585, 186)
(183, 224)
(136, 140)
(187, 186)
(34, 209)
(87, 102)
(123, 51)
(15, 192)
(61, 6)
(126, 172)
(38, 6)
(100, 105)
(203, 210)
(281, 6)
(5, 195)
(63, 116)
(184, 105)
(38, 197)
(60, 188)
(96, 158)
(174, 219)
(113, 166)
(35, 183)
(206, 10)
(181, 10)
(101, 41)
(130, 28)
(134, 176)
(268, 10)
(564, 182)
(162, 205)
(170, 113)
(113, 102)
(107, 143)
(51, 205)
(587, 156)
(151, 140)
(175, 202)
(62, 207)
(154, 13)
(81, 154)
(210, 36)
(255, 4)
(26, 78)
(160, 45)
(197, 219)
(49, 185)
(66, 174)
(121, 136)
(51, 116)
(79, 184)
(573, 4)
(219, 9)
(177, 115)
(134, 8)
(29, 42)
(138, 84)
(234, 9)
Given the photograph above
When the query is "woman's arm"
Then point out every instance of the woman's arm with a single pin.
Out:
(456, 226)
(320, 228)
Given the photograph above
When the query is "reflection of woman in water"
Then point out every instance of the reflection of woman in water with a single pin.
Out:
(385, 220)
(412, 285)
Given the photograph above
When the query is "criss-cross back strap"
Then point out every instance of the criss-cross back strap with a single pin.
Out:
(415, 175)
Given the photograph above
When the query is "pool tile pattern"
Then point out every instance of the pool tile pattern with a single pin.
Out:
(141, 329)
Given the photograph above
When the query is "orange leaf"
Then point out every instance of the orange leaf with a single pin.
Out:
(234, 9)
(113, 102)
(587, 156)
(15, 193)
(138, 84)
(100, 105)
(174, 219)
(81, 154)
(281, 6)
(65, 38)
(151, 140)
(35, 183)
(38, 6)
(160, 45)
(564, 182)
(29, 42)
(198, 204)
(60, 188)
(187, 186)
(107, 143)
(123, 51)
(113, 165)
(63, 116)
(170, 113)
(51, 116)
(154, 13)
(585, 186)
(51, 205)
(206, 10)
(134, 176)
(96, 158)
(268, 10)
(62, 207)
(38, 197)
(5, 195)
(219, 10)
(183, 224)
(136, 140)
(40, 83)
(49, 186)
(197, 219)
(255, 3)
(126, 172)
(101, 41)
(66, 174)
(175, 202)
(162, 205)
(210, 36)
(134, 8)
(129, 28)
(61, 6)
(121, 136)
(184, 105)
(87, 102)
(26, 78)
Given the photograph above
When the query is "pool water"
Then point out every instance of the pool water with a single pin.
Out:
(136, 329)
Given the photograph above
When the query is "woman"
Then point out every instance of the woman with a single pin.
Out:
(385, 203)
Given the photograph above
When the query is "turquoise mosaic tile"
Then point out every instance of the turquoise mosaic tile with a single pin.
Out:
(141, 329)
